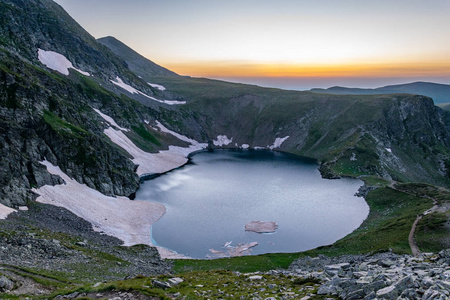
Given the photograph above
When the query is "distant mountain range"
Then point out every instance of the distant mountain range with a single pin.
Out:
(440, 93)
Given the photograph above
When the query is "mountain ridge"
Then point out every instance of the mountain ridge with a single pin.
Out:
(137, 63)
(438, 91)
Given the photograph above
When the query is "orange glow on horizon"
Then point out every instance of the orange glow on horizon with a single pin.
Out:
(214, 69)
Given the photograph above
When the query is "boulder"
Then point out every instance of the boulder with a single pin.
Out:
(6, 284)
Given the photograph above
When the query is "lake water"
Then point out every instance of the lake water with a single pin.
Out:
(210, 200)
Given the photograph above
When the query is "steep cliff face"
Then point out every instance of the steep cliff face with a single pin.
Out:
(402, 137)
(46, 117)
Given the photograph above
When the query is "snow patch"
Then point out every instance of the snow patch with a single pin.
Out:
(353, 157)
(5, 211)
(261, 227)
(222, 140)
(109, 120)
(150, 163)
(57, 62)
(158, 86)
(389, 150)
(128, 220)
(277, 143)
(177, 135)
(245, 146)
(232, 251)
(119, 82)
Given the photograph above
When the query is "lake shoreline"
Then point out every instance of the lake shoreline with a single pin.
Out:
(238, 152)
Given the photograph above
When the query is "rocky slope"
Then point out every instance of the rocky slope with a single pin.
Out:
(46, 114)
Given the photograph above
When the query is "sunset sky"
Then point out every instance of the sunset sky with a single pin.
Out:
(290, 44)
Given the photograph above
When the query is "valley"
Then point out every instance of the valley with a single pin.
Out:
(83, 122)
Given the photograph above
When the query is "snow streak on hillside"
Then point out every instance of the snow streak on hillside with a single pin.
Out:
(5, 211)
(158, 86)
(151, 163)
(57, 62)
(119, 82)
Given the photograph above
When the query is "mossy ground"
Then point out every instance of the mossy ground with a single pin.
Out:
(217, 284)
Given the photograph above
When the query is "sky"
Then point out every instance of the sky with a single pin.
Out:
(296, 44)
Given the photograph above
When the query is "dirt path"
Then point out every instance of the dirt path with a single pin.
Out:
(412, 240)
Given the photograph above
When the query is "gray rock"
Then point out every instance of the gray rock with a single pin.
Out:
(374, 286)
(387, 263)
(372, 295)
(358, 294)
(6, 284)
(175, 281)
(327, 289)
(389, 292)
(409, 294)
(161, 284)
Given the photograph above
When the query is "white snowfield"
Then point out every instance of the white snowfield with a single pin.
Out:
(277, 143)
(222, 140)
(128, 220)
(119, 82)
(57, 62)
(180, 136)
(157, 86)
(389, 150)
(245, 146)
(151, 163)
(110, 120)
(5, 211)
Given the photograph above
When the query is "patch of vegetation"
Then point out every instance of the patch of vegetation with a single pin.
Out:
(213, 285)
(374, 181)
(360, 159)
(251, 263)
(440, 195)
(142, 138)
(93, 90)
(432, 232)
(62, 127)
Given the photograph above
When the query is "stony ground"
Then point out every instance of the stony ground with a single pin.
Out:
(51, 238)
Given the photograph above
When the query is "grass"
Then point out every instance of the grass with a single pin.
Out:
(62, 127)
(432, 232)
(143, 139)
(374, 181)
(217, 284)
(251, 263)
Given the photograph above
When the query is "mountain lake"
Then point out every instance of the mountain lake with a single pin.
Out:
(211, 199)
